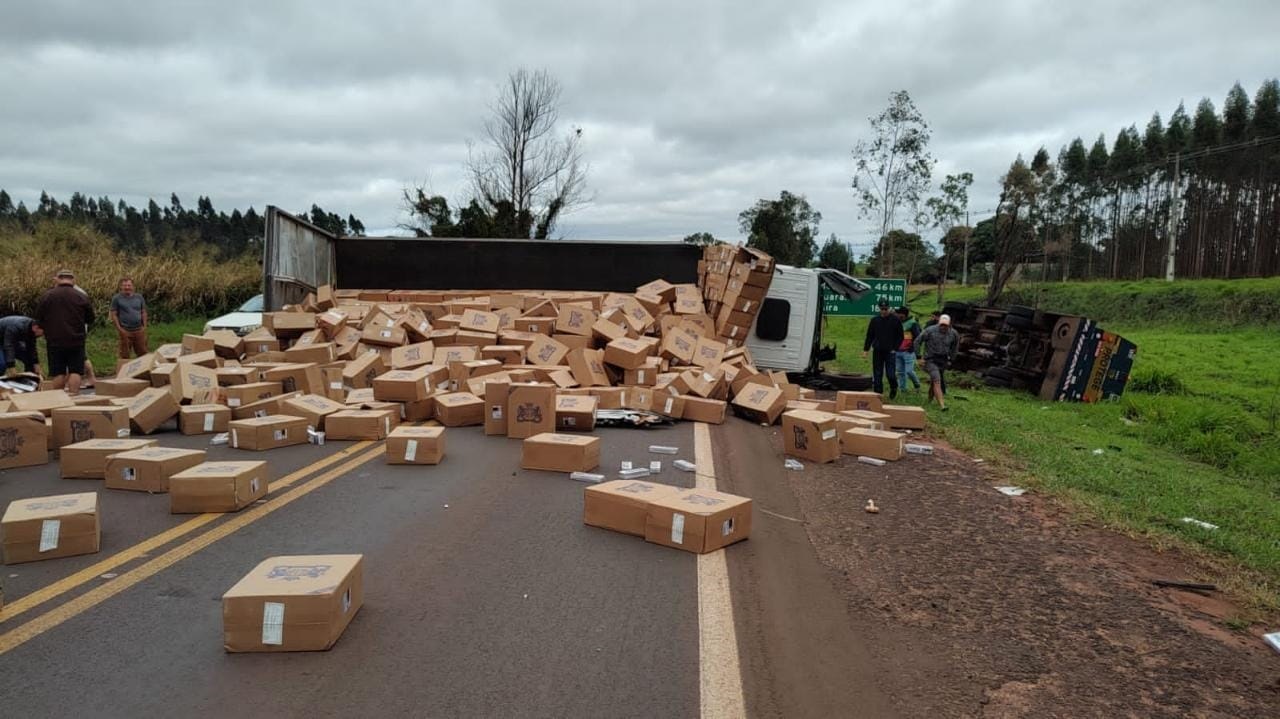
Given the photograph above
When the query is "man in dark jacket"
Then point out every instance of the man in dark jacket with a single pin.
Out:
(18, 344)
(884, 335)
(65, 313)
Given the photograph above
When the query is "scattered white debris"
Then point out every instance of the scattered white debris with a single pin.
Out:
(1128, 421)
(626, 464)
(314, 437)
(220, 438)
(1198, 523)
(918, 448)
(1272, 640)
(586, 477)
(871, 461)
(793, 465)
(979, 461)
(1098, 451)
(684, 465)
(108, 575)
(636, 473)
(662, 449)
(871, 507)
(526, 596)
(655, 466)
(446, 506)
(1011, 491)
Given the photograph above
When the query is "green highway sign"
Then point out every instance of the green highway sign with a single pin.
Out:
(892, 291)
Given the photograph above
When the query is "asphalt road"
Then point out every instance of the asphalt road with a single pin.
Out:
(485, 595)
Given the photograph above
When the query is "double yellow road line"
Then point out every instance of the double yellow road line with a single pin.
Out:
(11, 639)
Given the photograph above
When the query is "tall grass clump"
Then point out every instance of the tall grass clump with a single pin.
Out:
(176, 281)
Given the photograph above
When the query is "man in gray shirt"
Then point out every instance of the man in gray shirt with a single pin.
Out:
(940, 343)
(129, 313)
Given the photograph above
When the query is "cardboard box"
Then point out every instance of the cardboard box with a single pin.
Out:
(319, 353)
(531, 410)
(194, 344)
(312, 407)
(709, 353)
(495, 407)
(120, 387)
(193, 383)
(679, 345)
(260, 345)
(546, 351)
(77, 424)
(575, 320)
(811, 435)
(560, 452)
(242, 394)
(263, 407)
(904, 416)
(44, 401)
(575, 413)
(203, 419)
(628, 353)
(697, 520)
(151, 408)
(149, 469)
(459, 409)
(361, 371)
(876, 419)
(759, 403)
(233, 376)
(295, 377)
(289, 324)
(873, 443)
(506, 354)
(62, 525)
(160, 374)
(672, 405)
(402, 385)
(137, 368)
(700, 409)
(88, 459)
(414, 355)
(217, 487)
(587, 367)
(415, 445)
(858, 400)
(622, 505)
(293, 603)
(360, 424)
(24, 439)
(208, 358)
(270, 432)
(478, 321)
(646, 375)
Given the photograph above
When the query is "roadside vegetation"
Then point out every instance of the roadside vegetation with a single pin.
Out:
(1196, 434)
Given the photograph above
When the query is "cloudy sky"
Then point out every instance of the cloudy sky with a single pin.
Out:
(690, 110)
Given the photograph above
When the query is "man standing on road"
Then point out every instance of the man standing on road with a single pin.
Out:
(884, 334)
(940, 343)
(904, 360)
(65, 313)
(18, 343)
(129, 313)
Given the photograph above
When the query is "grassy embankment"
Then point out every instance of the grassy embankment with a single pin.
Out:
(183, 286)
(1195, 435)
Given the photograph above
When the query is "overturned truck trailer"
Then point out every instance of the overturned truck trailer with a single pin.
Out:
(1057, 357)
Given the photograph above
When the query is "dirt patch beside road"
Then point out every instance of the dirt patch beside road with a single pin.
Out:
(976, 604)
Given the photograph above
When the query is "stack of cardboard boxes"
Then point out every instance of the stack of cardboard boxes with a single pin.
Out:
(734, 283)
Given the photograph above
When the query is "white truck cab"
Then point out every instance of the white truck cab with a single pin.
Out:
(787, 333)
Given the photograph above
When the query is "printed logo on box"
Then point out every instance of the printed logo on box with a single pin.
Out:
(703, 500)
(800, 437)
(294, 572)
(50, 504)
(529, 412)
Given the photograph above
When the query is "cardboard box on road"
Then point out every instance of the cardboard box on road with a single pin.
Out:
(575, 413)
(415, 445)
(628, 353)
(120, 387)
(193, 383)
(876, 419)
(495, 407)
(621, 505)
(136, 368)
(873, 443)
(24, 439)
(760, 403)
(203, 419)
(293, 603)
(312, 407)
(361, 371)
(263, 407)
(151, 408)
(149, 469)
(403, 385)
(858, 400)
(531, 409)
(459, 409)
(88, 459)
(242, 394)
(44, 401)
(270, 432)
(697, 520)
(63, 525)
(560, 452)
(76, 424)
(359, 424)
(904, 416)
(217, 487)
(811, 435)
(700, 409)
(294, 377)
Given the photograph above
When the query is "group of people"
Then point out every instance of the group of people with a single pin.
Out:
(63, 317)
(897, 343)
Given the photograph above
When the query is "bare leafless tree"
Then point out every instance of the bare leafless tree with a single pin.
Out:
(524, 169)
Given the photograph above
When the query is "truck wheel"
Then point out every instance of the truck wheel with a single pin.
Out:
(1017, 322)
(991, 381)
(1022, 310)
(999, 373)
(958, 310)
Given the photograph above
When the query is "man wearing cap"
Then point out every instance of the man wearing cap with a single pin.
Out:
(939, 343)
(65, 313)
(884, 335)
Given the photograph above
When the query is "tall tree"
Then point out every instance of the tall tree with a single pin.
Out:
(892, 168)
(786, 228)
(835, 254)
(949, 210)
(701, 239)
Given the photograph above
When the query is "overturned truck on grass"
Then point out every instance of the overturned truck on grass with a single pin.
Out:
(1057, 357)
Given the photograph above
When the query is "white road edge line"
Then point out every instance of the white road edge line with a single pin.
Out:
(719, 671)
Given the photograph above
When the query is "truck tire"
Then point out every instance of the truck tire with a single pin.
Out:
(1022, 310)
(958, 310)
(999, 373)
(1017, 322)
(992, 381)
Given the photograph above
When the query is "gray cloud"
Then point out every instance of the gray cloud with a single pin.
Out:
(691, 111)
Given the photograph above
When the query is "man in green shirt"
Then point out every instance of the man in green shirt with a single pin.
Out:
(904, 359)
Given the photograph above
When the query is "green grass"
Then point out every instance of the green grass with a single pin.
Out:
(1195, 435)
(102, 344)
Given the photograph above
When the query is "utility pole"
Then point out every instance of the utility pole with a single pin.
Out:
(1175, 214)
(964, 273)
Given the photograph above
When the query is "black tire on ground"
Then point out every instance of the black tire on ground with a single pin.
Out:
(958, 310)
(1017, 322)
(1023, 310)
(990, 381)
(999, 372)
(838, 382)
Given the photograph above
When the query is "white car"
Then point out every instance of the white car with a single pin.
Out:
(247, 318)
